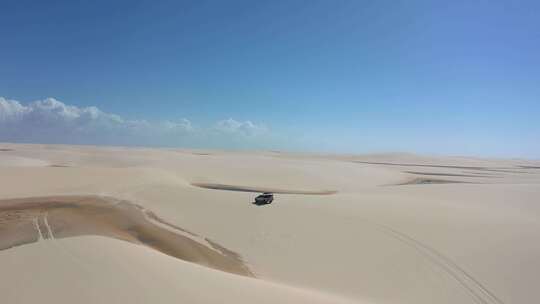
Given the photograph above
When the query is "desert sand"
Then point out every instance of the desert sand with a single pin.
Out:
(85, 224)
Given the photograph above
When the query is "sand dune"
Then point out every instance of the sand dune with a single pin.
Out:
(29, 220)
(129, 225)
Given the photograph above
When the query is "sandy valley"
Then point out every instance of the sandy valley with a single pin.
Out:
(85, 224)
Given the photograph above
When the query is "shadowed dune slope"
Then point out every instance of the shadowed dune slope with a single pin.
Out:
(24, 221)
(261, 189)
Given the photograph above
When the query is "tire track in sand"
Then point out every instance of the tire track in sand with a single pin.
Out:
(478, 292)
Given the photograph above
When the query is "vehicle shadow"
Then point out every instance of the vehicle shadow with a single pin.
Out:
(259, 204)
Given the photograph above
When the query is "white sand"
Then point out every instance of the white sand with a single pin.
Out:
(373, 241)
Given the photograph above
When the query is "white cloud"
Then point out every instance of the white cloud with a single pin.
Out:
(51, 112)
(52, 121)
(10, 110)
(182, 124)
(246, 128)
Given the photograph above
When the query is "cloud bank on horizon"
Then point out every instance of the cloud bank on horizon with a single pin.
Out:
(52, 121)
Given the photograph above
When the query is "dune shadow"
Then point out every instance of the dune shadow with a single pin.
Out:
(449, 174)
(421, 165)
(476, 168)
(261, 189)
(429, 181)
(29, 220)
(530, 167)
(259, 204)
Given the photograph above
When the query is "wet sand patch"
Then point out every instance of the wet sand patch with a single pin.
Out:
(29, 220)
(449, 174)
(481, 169)
(261, 189)
(507, 170)
(421, 165)
(6, 150)
(493, 174)
(429, 181)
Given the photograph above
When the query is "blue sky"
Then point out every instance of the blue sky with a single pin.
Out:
(437, 77)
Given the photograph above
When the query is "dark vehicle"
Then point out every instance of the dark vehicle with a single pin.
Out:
(264, 199)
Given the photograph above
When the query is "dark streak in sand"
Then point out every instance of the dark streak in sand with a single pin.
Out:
(261, 189)
(429, 181)
(448, 174)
